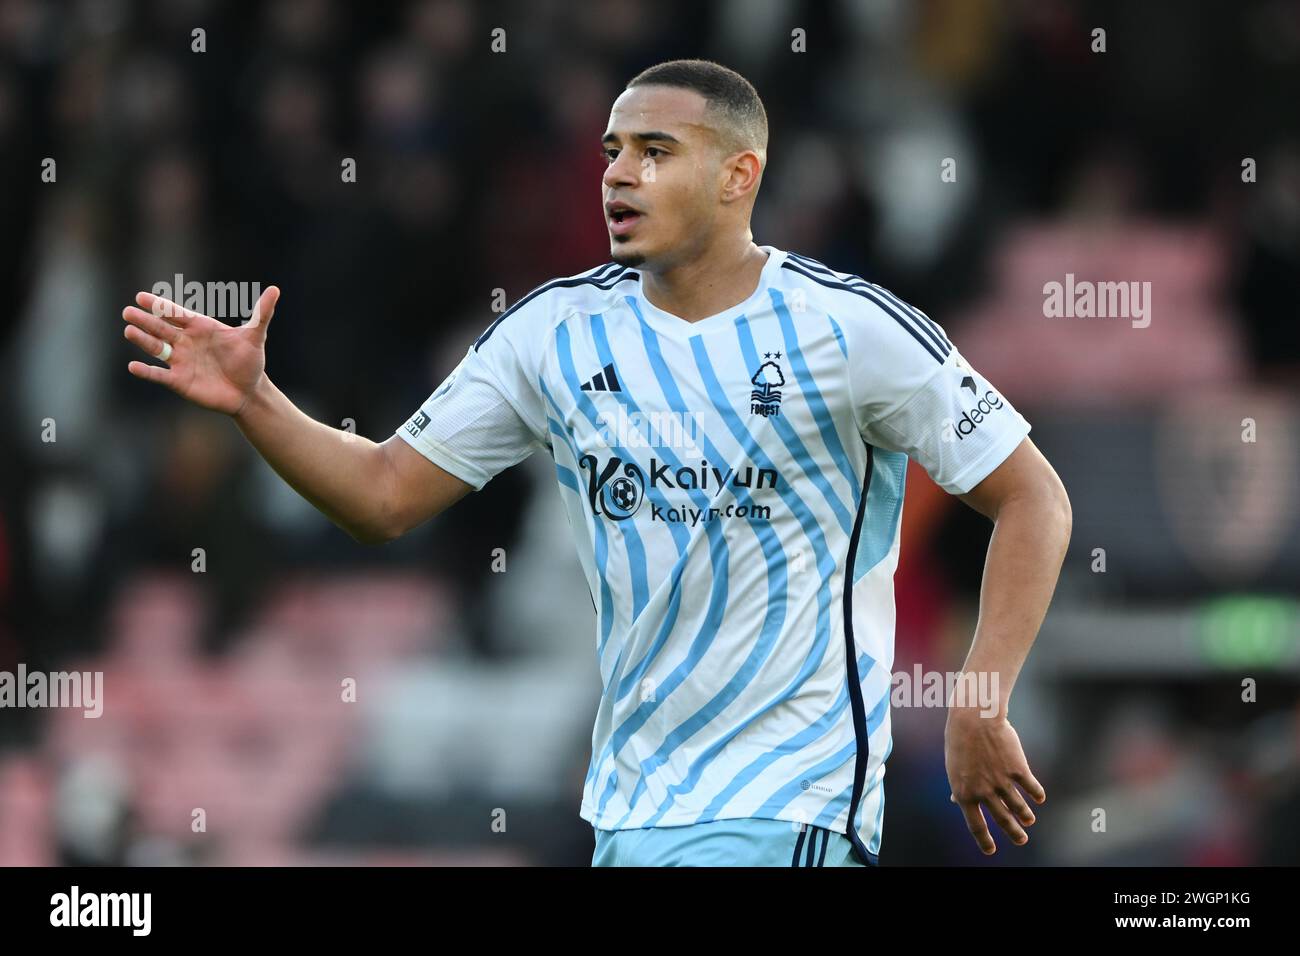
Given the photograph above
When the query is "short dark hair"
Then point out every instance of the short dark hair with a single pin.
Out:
(729, 95)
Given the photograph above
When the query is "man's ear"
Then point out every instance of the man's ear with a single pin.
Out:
(743, 171)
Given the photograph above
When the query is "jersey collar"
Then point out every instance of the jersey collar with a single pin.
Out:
(677, 327)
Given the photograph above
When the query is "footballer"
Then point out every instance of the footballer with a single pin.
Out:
(730, 425)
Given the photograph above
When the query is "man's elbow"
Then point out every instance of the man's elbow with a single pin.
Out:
(373, 536)
(385, 523)
(1058, 510)
(1040, 500)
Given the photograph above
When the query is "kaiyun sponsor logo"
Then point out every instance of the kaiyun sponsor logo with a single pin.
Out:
(617, 488)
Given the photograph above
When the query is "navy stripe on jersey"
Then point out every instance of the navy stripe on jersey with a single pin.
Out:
(605, 277)
(928, 324)
(925, 338)
(855, 681)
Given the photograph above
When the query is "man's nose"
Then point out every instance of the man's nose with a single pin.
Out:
(622, 171)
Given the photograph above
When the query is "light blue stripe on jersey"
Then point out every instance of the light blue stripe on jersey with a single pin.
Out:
(839, 336)
(813, 731)
(627, 529)
(782, 797)
(704, 639)
(751, 448)
(884, 508)
(798, 451)
(812, 395)
(681, 537)
(567, 478)
(717, 556)
(834, 807)
(601, 548)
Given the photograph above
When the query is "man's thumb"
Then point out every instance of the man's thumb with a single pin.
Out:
(264, 309)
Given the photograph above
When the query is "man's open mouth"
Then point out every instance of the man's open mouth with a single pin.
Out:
(622, 219)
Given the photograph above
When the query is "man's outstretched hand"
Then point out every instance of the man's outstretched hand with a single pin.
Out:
(212, 364)
(985, 764)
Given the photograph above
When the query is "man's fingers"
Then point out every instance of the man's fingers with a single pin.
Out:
(175, 314)
(976, 825)
(1030, 785)
(1016, 804)
(1000, 813)
(151, 373)
(264, 309)
(153, 346)
(150, 323)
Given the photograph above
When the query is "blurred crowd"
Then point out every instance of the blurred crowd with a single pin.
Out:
(1172, 156)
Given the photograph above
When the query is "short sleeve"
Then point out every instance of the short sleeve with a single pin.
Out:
(916, 394)
(481, 419)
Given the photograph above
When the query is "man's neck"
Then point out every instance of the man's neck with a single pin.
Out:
(708, 285)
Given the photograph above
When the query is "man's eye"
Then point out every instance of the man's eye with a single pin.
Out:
(609, 154)
(655, 150)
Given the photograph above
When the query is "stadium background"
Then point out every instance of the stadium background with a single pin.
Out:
(480, 171)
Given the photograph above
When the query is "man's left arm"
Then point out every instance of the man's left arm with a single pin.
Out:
(1031, 527)
(915, 393)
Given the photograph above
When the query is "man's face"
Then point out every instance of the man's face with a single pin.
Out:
(660, 191)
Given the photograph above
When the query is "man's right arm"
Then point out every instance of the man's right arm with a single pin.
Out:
(375, 491)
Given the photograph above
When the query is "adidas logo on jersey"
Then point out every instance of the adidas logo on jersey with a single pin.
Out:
(603, 381)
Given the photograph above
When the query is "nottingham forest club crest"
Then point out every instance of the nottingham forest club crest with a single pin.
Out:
(765, 399)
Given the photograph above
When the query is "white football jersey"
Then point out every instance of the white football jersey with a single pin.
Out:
(735, 489)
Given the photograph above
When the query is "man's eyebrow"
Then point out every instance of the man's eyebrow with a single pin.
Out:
(657, 135)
